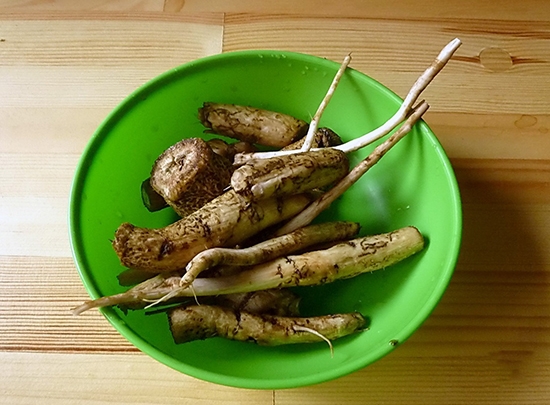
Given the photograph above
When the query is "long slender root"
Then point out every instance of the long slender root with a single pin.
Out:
(270, 249)
(323, 202)
(317, 117)
(148, 291)
(344, 260)
(410, 100)
(400, 115)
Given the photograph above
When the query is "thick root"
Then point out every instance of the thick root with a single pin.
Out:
(205, 321)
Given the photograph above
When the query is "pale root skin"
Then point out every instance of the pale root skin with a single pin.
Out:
(225, 221)
(281, 302)
(291, 174)
(148, 290)
(271, 249)
(252, 125)
(205, 321)
(344, 260)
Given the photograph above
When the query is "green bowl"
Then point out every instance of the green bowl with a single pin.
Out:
(413, 184)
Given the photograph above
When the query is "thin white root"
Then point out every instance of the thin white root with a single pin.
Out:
(171, 294)
(316, 207)
(299, 328)
(418, 87)
(162, 299)
(310, 136)
(404, 110)
(194, 295)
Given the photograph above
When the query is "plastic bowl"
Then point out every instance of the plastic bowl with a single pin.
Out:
(413, 184)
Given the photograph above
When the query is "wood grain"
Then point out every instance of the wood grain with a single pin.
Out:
(28, 378)
(534, 10)
(58, 86)
(30, 6)
(507, 377)
(492, 136)
(396, 52)
(36, 296)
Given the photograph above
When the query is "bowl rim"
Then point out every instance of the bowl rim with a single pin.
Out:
(140, 343)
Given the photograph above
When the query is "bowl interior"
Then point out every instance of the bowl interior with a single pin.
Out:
(412, 185)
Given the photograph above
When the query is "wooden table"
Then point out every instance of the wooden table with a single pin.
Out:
(64, 65)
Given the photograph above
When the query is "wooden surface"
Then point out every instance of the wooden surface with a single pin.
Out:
(64, 65)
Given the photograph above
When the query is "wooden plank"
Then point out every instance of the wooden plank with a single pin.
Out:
(48, 130)
(84, 379)
(495, 61)
(532, 10)
(34, 190)
(98, 14)
(501, 377)
(492, 136)
(108, 43)
(29, 7)
(71, 63)
(41, 291)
